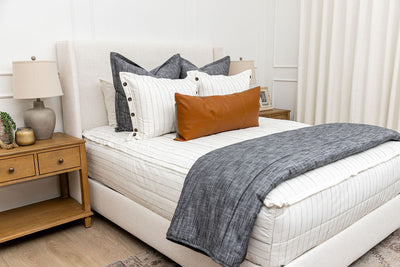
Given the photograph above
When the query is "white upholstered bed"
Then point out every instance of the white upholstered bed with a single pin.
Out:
(286, 225)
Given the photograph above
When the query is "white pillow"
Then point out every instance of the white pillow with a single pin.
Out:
(153, 100)
(220, 84)
(109, 101)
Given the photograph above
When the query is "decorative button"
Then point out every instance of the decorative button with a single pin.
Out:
(11, 170)
(135, 130)
(124, 84)
(129, 98)
(132, 114)
(196, 79)
(134, 134)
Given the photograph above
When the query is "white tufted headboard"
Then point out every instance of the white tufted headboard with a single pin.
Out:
(82, 63)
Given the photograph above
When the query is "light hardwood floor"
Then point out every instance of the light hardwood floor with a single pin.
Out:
(72, 245)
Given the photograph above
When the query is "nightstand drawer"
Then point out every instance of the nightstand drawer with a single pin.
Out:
(280, 117)
(58, 160)
(16, 168)
(276, 113)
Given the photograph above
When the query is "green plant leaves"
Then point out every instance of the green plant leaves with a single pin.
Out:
(9, 125)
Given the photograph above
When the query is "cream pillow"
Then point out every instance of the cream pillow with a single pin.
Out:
(153, 100)
(220, 84)
(109, 101)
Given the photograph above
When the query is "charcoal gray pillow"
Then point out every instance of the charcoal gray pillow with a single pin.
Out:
(219, 67)
(170, 69)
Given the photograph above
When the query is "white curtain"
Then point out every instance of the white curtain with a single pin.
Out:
(349, 62)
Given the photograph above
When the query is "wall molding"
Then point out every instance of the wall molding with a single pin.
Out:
(274, 63)
(280, 80)
(285, 66)
(6, 96)
(285, 80)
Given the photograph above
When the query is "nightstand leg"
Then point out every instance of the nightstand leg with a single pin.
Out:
(84, 189)
(83, 173)
(64, 185)
(88, 222)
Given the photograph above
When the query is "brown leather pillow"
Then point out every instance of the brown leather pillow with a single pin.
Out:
(201, 116)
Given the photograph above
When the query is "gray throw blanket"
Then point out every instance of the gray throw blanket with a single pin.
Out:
(225, 189)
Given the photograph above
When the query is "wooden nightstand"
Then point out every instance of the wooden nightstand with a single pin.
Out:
(276, 113)
(56, 156)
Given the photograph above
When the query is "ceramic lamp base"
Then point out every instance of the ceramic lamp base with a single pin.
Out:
(42, 120)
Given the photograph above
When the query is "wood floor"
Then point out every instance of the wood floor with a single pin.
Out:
(72, 245)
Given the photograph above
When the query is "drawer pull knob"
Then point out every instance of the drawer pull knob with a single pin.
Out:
(11, 170)
(60, 160)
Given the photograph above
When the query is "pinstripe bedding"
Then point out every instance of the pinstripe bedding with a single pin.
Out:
(298, 215)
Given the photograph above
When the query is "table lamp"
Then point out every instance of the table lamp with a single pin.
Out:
(242, 65)
(37, 79)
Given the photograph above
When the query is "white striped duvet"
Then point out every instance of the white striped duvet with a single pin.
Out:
(298, 215)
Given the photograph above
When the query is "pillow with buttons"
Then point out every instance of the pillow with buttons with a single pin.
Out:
(209, 85)
(170, 69)
(151, 103)
(219, 67)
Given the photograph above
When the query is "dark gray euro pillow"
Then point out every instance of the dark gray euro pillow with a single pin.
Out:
(171, 69)
(219, 67)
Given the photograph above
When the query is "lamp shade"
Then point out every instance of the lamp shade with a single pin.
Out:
(242, 65)
(35, 79)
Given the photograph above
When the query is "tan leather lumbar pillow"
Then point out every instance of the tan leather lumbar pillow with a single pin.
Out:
(201, 116)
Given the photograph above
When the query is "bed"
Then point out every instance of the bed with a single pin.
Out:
(355, 201)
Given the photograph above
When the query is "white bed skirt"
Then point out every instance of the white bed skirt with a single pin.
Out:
(151, 228)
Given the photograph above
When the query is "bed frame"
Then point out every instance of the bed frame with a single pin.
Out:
(82, 63)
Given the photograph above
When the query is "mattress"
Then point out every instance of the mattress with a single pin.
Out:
(296, 216)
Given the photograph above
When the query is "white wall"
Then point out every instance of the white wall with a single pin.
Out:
(29, 28)
(263, 30)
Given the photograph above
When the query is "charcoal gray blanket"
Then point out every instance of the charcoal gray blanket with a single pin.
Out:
(225, 189)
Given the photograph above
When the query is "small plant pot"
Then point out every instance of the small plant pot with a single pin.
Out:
(3, 134)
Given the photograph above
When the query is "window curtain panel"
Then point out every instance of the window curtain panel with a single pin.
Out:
(349, 62)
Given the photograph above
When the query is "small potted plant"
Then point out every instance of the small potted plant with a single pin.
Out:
(7, 127)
